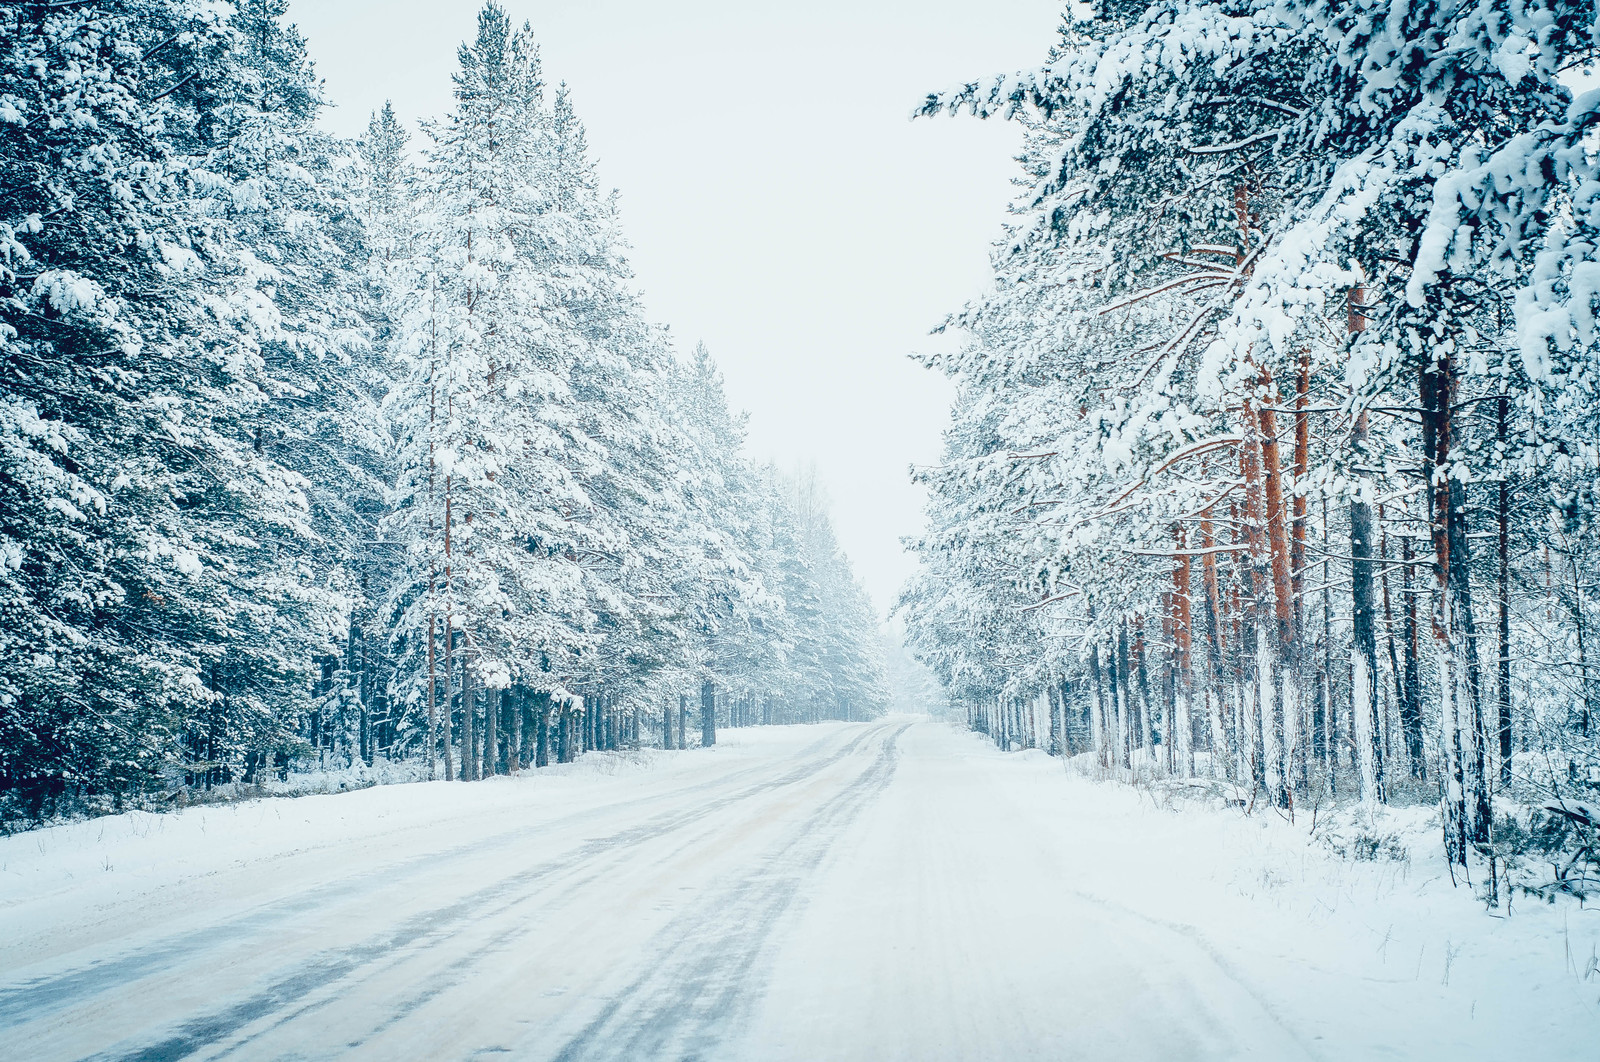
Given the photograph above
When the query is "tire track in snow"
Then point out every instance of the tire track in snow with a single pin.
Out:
(33, 998)
(417, 932)
(702, 977)
(555, 893)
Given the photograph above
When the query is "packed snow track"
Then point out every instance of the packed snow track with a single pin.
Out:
(871, 891)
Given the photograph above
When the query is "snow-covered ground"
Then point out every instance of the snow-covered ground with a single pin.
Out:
(870, 891)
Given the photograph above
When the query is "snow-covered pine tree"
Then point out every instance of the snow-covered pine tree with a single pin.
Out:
(98, 655)
(489, 504)
(619, 372)
(843, 644)
(720, 593)
(183, 629)
(279, 205)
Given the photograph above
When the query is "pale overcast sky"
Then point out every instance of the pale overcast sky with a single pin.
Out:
(780, 205)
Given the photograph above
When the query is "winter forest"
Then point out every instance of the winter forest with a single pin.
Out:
(1274, 458)
(1147, 615)
(323, 453)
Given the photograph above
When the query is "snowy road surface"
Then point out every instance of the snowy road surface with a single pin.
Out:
(894, 890)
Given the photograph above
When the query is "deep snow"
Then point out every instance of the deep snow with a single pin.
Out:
(889, 890)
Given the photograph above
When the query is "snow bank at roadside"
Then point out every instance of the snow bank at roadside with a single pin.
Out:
(1283, 910)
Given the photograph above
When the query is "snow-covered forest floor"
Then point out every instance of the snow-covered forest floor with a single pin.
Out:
(897, 889)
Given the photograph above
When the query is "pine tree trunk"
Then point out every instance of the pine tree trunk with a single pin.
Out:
(1503, 691)
(363, 726)
(433, 574)
(1124, 696)
(491, 732)
(1143, 703)
(1270, 725)
(1183, 619)
(1309, 732)
(1477, 764)
(1435, 444)
(1053, 695)
(708, 714)
(530, 726)
(1395, 676)
(1437, 392)
(449, 700)
(469, 725)
(516, 756)
(541, 729)
(1167, 686)
(1363, 642)
(433, 710)
(1585, 683)
(1216, 652)
(1287, 706)
(1224, 661)
(1262, 694)
(1097, 706)
(1330, 714)
(1302, 468)
(1411, 699)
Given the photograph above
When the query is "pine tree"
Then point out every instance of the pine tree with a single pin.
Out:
(138, 371)
(282, 216)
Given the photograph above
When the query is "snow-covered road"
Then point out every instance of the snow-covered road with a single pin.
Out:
(869, 891)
